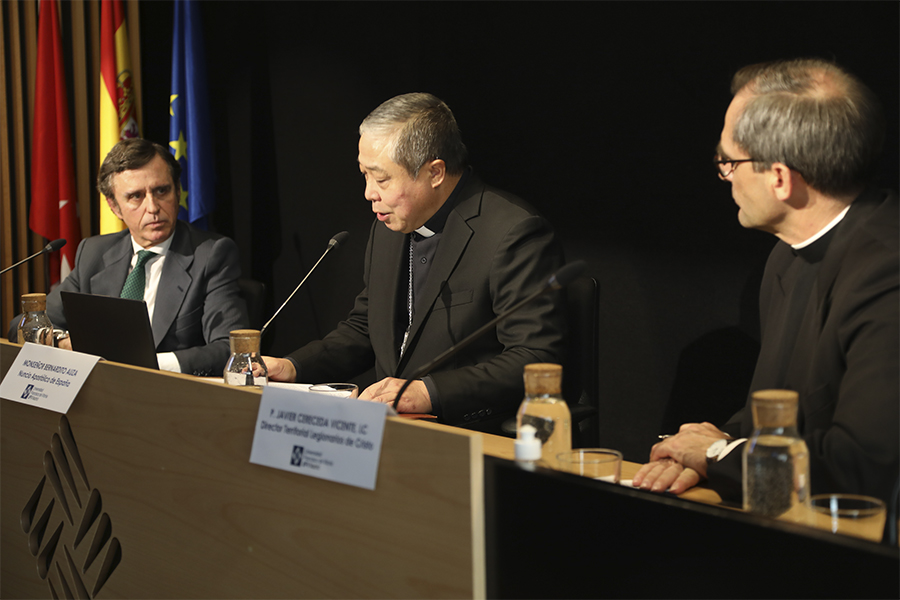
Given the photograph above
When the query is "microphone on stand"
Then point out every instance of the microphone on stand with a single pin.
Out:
(51, 247)
(557, 281)
(334, 242)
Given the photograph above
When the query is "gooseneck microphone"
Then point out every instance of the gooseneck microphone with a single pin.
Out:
(334, 242)
(558, 280)
(51, 247)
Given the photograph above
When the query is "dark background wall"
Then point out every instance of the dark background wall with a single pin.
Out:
(603, 115)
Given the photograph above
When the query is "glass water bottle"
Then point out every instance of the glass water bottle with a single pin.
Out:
(776, 459)
(544, 409)
(245, 367)
(35, 325)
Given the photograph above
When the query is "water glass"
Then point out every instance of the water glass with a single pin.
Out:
(850, 514)
(597, 463)
(340, 390)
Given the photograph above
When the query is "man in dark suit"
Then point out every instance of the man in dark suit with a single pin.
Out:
(189, 282)
(829, 299)
(446, 254)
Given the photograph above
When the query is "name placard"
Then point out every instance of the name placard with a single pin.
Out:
(337, 439)
(46, 377)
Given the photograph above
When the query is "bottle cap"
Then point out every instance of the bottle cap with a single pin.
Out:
(542, 379)
(244, 341)
(774, 408)
(543, 368)
(34, 302)
(779, 396)
(528, 447)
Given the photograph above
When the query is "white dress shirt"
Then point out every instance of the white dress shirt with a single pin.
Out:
(152, 273)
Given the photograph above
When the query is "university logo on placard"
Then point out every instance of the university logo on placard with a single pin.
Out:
(27, 391)
(297, 456)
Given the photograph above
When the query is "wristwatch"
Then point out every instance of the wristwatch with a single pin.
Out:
(713, 452)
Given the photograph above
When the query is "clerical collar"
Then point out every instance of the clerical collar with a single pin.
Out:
(424, 232)
(436, 223)
(822, 231)
(813, 250)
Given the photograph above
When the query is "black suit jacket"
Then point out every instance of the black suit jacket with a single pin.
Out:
(494, 250)
(846, 360)
(198, 302)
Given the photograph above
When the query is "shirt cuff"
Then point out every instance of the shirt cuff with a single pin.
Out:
(168, 362)
(727, 449)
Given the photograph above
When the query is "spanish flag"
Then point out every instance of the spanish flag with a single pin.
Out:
(54, 203)
(117, 94)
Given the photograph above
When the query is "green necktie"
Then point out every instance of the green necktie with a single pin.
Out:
(134, 284)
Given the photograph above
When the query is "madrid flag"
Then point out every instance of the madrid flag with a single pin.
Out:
(54, 204)
(117, 94)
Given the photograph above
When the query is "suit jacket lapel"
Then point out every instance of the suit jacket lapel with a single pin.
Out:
(859, 211)
(815, 313)
(174, 282)
(454, 240)
(116, 262)
(383, 289)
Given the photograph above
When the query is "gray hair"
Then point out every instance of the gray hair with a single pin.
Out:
(134, 153)
(419, 128)
(814, 117)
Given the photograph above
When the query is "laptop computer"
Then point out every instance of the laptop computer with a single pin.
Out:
(116, 329)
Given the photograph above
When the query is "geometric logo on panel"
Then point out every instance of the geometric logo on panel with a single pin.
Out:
(57, 507)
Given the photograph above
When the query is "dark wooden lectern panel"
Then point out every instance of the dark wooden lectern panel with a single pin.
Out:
(554, 535)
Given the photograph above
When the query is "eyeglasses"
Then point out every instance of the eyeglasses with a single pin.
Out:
(727, 166)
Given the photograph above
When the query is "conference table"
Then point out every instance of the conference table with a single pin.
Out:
(144, 489)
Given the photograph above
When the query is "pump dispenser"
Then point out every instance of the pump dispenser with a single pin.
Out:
(528, 448)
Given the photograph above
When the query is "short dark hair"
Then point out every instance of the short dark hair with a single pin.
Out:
(813, 116)
(134, 153)
(420, 127)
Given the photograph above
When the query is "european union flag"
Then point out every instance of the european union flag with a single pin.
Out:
(189, 127)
